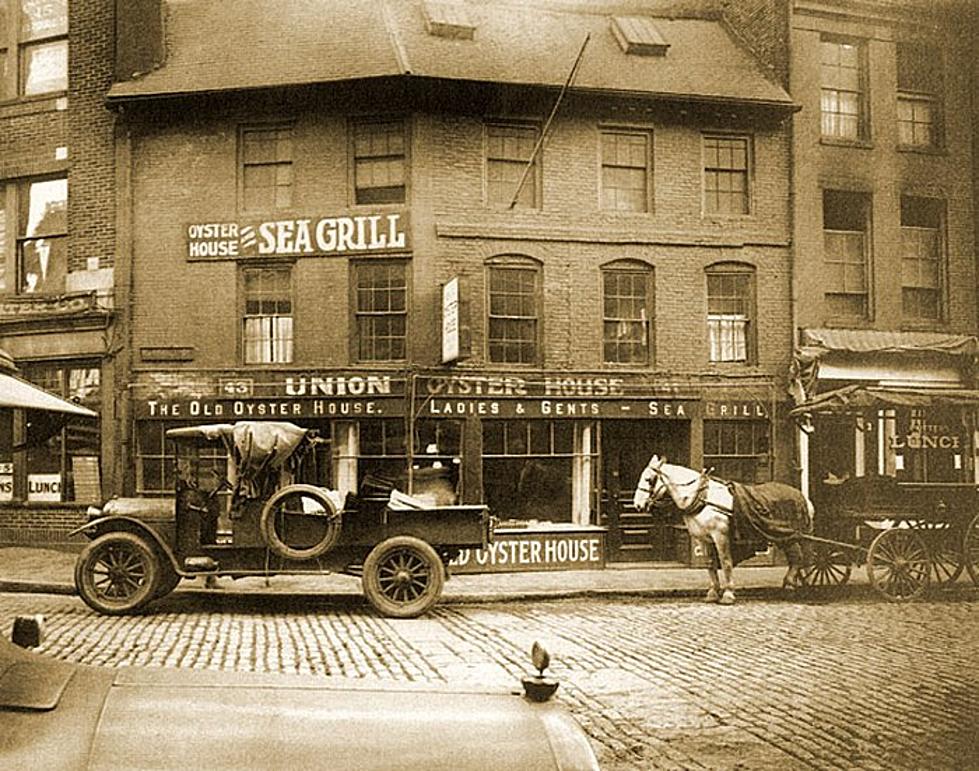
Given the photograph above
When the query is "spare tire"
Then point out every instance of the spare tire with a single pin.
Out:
(298, 501)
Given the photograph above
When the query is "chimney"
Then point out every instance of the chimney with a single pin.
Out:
(139, 37)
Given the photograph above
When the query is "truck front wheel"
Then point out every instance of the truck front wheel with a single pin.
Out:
(117, 573)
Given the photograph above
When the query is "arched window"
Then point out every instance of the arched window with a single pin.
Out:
(627, 302)
(513, 310)
(730, 312)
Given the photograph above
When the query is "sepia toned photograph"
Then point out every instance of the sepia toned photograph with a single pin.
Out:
(517, 385)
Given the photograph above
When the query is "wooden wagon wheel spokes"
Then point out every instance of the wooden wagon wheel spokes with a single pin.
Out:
(118, 572)
(831, 566)
(403, 576)
(970, 549)
(898, 564)
(944, 547)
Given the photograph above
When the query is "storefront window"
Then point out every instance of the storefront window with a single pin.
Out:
(527, 469)
(6, 455)
(737, 450)
(924, 445)
(437, 459)
(382, 462)
(62, 462)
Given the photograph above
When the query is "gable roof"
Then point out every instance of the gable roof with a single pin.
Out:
(213, 45)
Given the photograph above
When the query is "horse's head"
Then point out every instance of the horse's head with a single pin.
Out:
(651, 487)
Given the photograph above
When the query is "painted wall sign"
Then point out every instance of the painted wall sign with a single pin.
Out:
(734, 409)
(298, 237)
(515, 385)
(58, 306)
(185, 386)
(557, 408)
(518, 551)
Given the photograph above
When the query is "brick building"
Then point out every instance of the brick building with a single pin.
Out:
(310, 204)
(884, 237)
(56, 251)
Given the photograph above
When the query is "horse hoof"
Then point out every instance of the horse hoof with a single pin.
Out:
(727, 598)
(712, 595)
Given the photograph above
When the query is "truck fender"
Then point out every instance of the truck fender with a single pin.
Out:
(103, 525)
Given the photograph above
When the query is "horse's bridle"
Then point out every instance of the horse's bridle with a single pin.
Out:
(653, 498)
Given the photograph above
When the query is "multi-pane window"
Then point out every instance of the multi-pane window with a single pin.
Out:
(33, 47)
(508, 152)
(726, 175)
(625, 170)
(919, 85)
(381, 310)
(42, 236)
(379, 161)
(527, 467)
(846, 218)
(156, 458)
(921, 258)
(267, 328)
(62, 465)
(266, 168)
(842, 89)
(382, 460)
(514, 312)
(730, 301)
(627, 302)
(737, 449)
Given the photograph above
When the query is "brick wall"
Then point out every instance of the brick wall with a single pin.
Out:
(91, 206)
(185, 172)
(40, 525)
(762, 25)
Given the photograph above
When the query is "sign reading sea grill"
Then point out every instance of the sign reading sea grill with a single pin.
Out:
(303, 237)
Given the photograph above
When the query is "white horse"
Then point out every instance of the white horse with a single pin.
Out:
(707, 506)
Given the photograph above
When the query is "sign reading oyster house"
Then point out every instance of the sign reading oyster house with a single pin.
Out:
(297, 237)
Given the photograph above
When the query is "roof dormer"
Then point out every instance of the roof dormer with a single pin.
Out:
(638, 35)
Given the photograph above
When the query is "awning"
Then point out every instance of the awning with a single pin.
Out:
(853, 398)
(816, 344)
(19, 394)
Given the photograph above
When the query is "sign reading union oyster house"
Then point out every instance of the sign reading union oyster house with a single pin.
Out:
(297, 237)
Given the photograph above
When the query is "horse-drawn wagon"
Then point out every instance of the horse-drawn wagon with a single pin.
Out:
(249, 502)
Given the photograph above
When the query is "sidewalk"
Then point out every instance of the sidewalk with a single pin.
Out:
(46, 571)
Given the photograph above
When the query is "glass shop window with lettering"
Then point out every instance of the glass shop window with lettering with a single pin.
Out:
(737, 450)
(527, 469)
(267, 329)
(926, 444)
(63, 457)
(33, 48)
(42, 236)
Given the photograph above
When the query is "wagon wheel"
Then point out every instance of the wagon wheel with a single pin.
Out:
(117, 573)
(830, 566)
(294, 502)
(403, 577)
(898, 564)
(944, 544)
(970, 549)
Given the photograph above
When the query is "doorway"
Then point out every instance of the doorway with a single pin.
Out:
(626, 447)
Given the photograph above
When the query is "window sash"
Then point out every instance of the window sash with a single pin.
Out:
(267, 322)
(513, 314)
(841, 80)
(381, 311)
(625, 164)
(921, 272)
(508, 151)
(266, 168)
(916, 120)
(727, 336)
(379, 162)
(726, 168)
(625, 321)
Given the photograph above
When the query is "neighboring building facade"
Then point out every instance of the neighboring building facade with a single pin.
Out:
(884, 233)
(56, 309)
(300, 222)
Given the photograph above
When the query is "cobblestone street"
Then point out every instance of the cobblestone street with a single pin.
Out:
(851, 683)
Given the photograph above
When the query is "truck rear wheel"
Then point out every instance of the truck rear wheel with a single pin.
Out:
(403, 577)
(117, 573)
